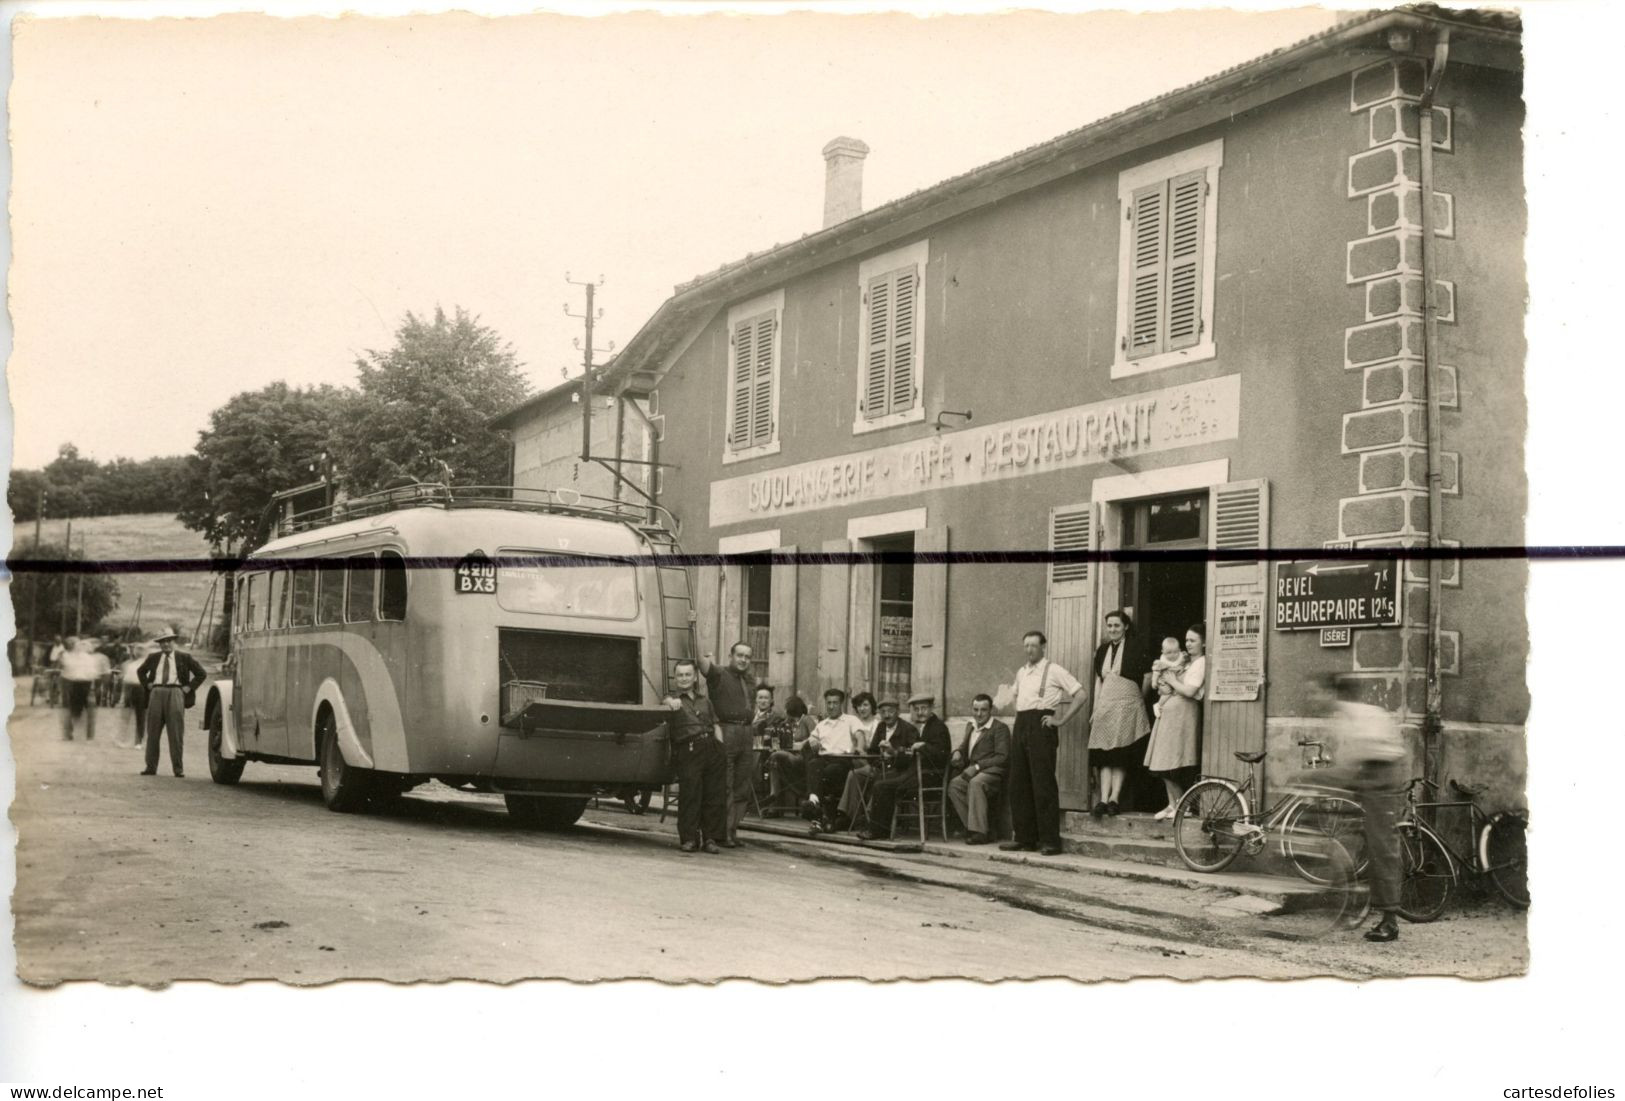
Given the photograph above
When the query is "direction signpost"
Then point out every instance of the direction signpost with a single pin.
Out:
(1334, 597)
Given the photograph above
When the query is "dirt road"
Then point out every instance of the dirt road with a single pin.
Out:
(133, 879)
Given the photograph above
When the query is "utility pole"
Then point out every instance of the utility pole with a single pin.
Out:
(62, 608)
(34, 588)
(591, 315)
(79, 592)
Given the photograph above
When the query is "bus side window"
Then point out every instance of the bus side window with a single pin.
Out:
(304, 597)
(251, 603)
(391, 586)
(278, 612)
(362, 580)
(330, 592)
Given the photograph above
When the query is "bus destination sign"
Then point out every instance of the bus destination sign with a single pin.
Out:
(475, 574)
(1315, 596)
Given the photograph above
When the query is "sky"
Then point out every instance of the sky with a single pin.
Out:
(204, 206)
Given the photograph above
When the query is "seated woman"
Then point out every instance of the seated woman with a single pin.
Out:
(787, 764)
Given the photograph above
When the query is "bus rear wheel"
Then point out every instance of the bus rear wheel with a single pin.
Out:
(344, 787)
(543, 812)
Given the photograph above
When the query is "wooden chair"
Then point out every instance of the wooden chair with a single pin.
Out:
(925, 804)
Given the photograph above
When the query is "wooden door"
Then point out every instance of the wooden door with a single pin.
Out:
(1069, 623)
(928, 664)
(1234, 711)
(781, 637)
(834, 607)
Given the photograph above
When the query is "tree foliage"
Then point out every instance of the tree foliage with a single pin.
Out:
(259, 442)
(426, 402)
(76, 486)
(52, 599)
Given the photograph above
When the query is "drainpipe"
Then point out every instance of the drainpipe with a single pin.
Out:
(1432, 723)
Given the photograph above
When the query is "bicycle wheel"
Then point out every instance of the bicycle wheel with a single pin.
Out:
(1323, 816)
(1504, 855)
(1340, 903)
(1427, 874)
(1206, 824)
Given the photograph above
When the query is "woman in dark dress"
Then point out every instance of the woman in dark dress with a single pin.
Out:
(1118, 727)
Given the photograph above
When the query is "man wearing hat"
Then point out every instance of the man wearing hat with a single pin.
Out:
(932, 748)
(171, 679)
(893, 736)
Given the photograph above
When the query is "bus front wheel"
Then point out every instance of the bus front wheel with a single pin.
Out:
(344, 787)
(221, 771)
(544, 813)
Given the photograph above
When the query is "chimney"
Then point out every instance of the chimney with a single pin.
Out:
(843, 179)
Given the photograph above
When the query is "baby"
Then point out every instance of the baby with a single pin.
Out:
(1173, 661)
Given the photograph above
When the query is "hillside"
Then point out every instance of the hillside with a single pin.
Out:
(166, 598)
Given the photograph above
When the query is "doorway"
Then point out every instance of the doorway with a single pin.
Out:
(894, 617)
(1163, 596)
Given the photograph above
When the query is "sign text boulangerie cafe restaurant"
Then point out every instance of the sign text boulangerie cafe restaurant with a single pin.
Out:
(1193, 325)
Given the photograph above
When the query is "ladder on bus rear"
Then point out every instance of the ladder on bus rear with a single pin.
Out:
(676, 598)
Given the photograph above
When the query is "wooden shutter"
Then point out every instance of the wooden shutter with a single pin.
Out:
(1069, 623)
(761, 416)
(781, 645)
(707, 596)
(905, 302)
(834, 595)
(877, 346)
(1147, 271)
(732, 628)
(928, 664)
(860, 631)
(1187, 202)
(741, 388)
(1240, 512)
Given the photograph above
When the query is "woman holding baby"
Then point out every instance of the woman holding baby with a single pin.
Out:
(1179, 679)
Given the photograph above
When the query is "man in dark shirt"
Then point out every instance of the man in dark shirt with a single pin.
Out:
(932, 749)
(702, 796)
(733, 696)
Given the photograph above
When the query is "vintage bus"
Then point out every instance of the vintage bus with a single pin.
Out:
(517, 642)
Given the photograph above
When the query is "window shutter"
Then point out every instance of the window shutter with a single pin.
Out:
(875, 389)
(905, 298)
(1147, 270)
(761, 423)
(1070, 530)
(1240, 522)
(781, 646)
(744, 371)
(834, 608)
(928, 663)
(1187, 204)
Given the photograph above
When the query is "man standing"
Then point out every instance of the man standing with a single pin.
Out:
(733, 695)
(834, 745)
(170, 678)
(1041, 688)
(82, 670)
(1369, 749)
(696, 739)
(983, 760)
(932, 751)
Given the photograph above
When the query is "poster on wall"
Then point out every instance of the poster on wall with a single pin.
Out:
(896, 635)
(1237, 653)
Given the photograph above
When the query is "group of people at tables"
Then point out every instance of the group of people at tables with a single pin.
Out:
(849, 767)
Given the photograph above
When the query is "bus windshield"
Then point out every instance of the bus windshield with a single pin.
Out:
(605, 589)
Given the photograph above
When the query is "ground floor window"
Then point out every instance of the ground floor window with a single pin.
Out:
(758, 616)
(894, 617)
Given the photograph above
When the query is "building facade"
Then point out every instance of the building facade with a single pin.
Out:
(1194, 325)
(545, 438)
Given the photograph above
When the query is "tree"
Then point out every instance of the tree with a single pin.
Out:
(427, 402)
(259, 442)
(60, 599)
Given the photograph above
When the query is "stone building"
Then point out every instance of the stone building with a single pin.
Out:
(1194, 325)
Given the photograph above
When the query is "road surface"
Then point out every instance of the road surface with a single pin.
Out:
(134, 879)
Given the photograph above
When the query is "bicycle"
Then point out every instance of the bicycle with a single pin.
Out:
(1225, 823)
(1431, 866)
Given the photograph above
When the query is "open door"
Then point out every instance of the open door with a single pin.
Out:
(1238, 626)
(781, 644)
(834, 607)
(930, 642)
(1069, 623)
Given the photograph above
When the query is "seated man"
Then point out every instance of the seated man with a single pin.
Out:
(833, 745)
(932, 749)
(892, 735)
(986, 752)
(787, 764)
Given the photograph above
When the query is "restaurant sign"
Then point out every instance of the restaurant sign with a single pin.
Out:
(1315, 596)
(1141, 424)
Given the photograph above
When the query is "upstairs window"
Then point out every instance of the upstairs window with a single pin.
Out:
(1165, 302)
(891, 361)
(753, 377)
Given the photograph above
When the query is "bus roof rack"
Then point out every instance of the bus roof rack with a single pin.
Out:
(561, 501)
